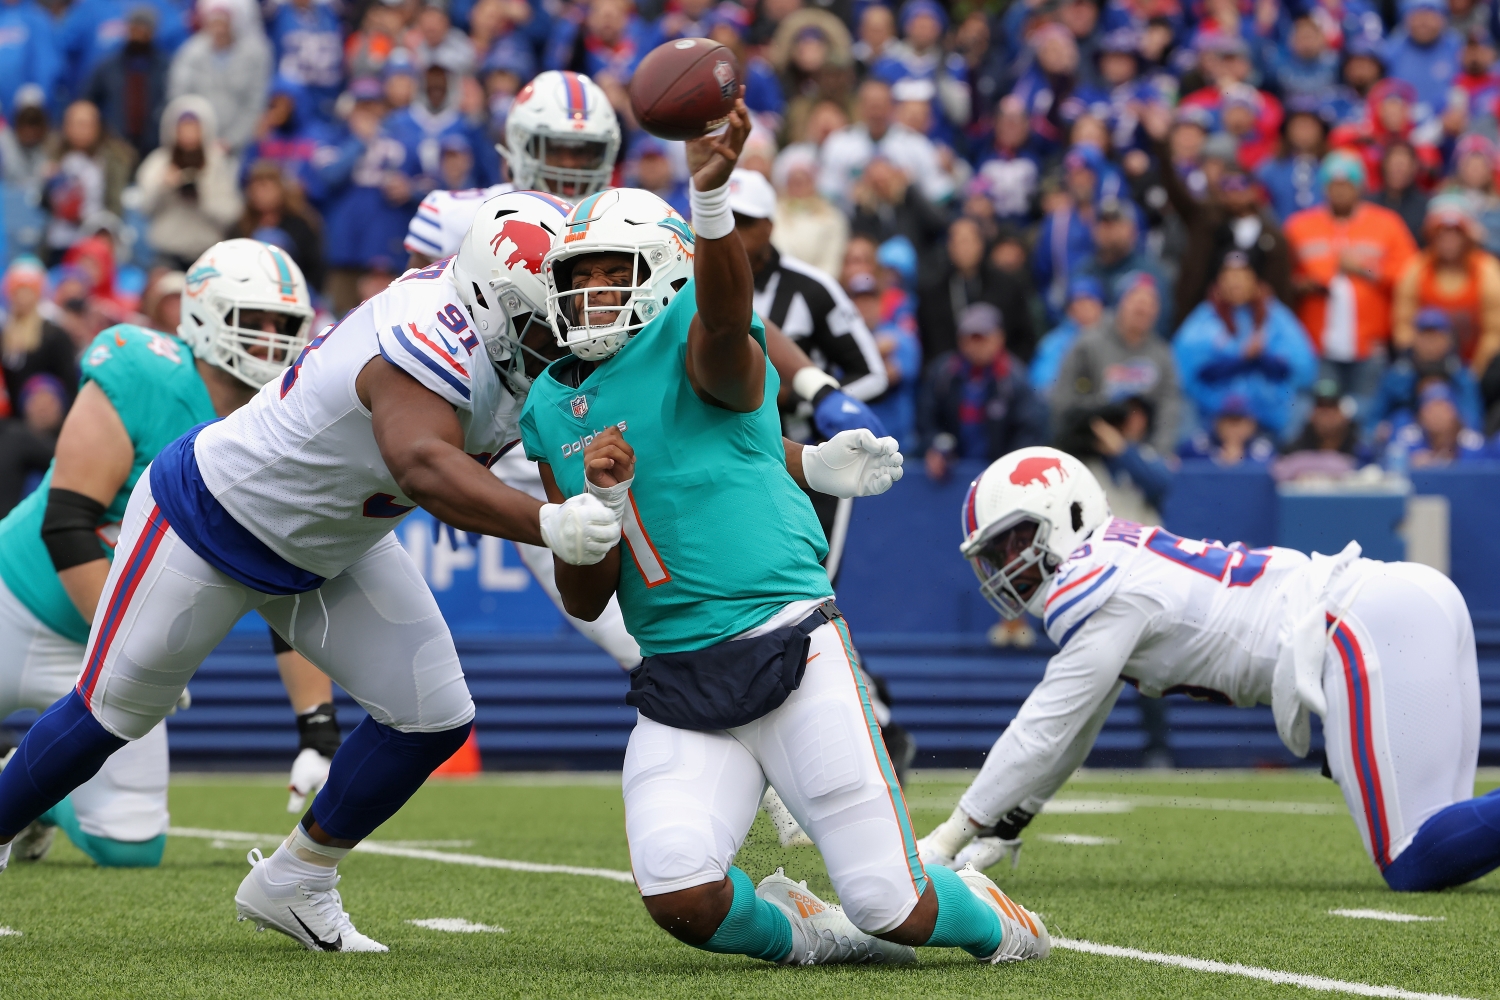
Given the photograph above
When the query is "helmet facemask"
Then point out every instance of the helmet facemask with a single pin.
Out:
(594, 329)
(1013, 563)
(254, 355)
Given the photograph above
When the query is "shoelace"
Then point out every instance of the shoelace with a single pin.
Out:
(325, 902)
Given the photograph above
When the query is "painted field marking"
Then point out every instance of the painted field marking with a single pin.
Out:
(1068, 944)
(10, 932)
(1129, 803)
(455, 925)
(1078, 839)
(1395, 918)
(1248, 971)
(421, 854)
(1076, 807)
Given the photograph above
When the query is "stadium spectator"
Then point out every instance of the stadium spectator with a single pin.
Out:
(161, 304)
(290, 134)
(1120, 360)
(1431, 354)
(367, 50)
(29, 52)
(1424, 52)
(1135, 478)
(85, 174)
(188, 186)
(1085, 311)
(29, 343)
(1119, 252)
(276, 213)
(1008, 171)
(24, 152)
(1330, 445)
(1348, 255)
(1437, 437)
(1290, 178)
(975, 403)
(1243, 341)
(1305, 66)
(888, 202)
(1454, 274)
(438, 42)
(1232, 437)
(228, 66)
(24, 456)
(727, 24)
(129, 87)
(1474, 162)
(608, 39)
(808, 226)
(1400, 188)
(847, 153)
(902, 353)
(959, 276)
(812, 56)
(920, 55)
(308, 48)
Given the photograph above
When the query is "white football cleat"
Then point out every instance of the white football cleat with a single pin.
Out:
(1025, 936)
(822, 934)
(983, 852)
(309, 910)
(33, 842)
(788, 830)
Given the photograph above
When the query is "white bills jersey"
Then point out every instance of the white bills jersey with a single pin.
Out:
(443, 217)
(299, 466)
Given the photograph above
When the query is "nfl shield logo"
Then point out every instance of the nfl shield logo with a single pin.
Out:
(580, 406)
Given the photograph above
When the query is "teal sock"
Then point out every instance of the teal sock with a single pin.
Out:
(753, 927)
(963, 920)
(106, 852)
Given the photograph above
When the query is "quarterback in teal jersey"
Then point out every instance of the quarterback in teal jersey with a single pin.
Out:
(666, 411)
(139, 390)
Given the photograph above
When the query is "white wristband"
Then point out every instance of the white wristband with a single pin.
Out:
(614, 497)
(712, 219)
(807, 382)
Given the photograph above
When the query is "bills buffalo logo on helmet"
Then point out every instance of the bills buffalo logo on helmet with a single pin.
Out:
(1033, 471)
(531, 244)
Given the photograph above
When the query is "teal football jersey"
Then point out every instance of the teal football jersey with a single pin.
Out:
(153, 383)
(718, 537)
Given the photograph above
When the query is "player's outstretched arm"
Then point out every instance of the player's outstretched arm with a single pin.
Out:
(422, 443)
(724, 363)
(609, 464)
(93, 460)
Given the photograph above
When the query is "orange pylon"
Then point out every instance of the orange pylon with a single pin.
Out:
(464, 762)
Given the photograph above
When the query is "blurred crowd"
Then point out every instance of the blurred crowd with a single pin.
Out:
(1149, 231)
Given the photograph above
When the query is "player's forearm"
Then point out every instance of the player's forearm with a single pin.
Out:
(84, 583)
(460, 492)
(586, 590)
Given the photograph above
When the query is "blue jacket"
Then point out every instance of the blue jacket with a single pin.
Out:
(1291, 183)
(93, 29)
(1411, 441)
(295, 144)
(309, 47)
(362, 228)
(1394, 395)
(1428, 68)
(28, 53)
(1212, 363)
(897, 409)
(1062, 244)
(1293, 75)
(1050, 351)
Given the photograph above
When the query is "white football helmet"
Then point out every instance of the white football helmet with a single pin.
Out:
(625, 221)
(567, 114)
(498, 273)
(238, 277)
(1032, 507)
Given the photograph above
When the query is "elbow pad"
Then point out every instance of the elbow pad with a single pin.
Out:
(68, 529)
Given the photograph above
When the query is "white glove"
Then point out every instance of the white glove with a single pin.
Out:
(581, 530)
(309, 775)
(852, 464)
(982, 852)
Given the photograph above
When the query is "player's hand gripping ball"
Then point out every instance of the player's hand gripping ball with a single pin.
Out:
(685, 89)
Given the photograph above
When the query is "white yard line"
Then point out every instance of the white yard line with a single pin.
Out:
(1248, 971)
(392, 850)
(455, 925)
(1395, 918)
(1067, 805)
(1109, 950)
(1077, 839)
(9, 932)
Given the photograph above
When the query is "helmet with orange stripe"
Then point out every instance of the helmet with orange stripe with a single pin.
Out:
(246, 309)
(561, 136)
(1022, 518)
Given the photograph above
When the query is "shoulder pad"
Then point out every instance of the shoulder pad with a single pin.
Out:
(424, 330)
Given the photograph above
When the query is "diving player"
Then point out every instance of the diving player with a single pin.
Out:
(287, 507)
(1383, 652)
(140, 389)
(724, 546)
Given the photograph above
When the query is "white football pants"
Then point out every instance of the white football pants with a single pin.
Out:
(608, 631)
(690, 796)
(1402, 683)
(374, 629)
(127, 799)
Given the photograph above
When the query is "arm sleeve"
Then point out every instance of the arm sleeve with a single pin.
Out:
(1062, 715)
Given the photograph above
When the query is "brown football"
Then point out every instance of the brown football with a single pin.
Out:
(684, 89)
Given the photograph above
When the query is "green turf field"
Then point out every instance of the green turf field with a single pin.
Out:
(1229, 867)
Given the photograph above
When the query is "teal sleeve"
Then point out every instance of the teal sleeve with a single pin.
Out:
(531, 439)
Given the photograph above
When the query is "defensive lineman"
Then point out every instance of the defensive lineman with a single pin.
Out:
(1383, 652)
(724, 546)
(287, 507)
(141, 389)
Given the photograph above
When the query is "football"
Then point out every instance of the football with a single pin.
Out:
(685, 89)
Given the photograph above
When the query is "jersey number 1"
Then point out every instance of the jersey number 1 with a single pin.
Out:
(647, 559)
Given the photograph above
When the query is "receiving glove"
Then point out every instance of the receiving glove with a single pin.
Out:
(833, 409)
(982, 852)
(581, 530)
(309, 775)
(318, 740)
(852, 464)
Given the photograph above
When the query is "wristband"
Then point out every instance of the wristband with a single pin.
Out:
(712, 219)
(614, 497)
(809, 381)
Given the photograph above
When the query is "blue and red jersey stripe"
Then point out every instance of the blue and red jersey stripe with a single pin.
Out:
(1362, 741)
